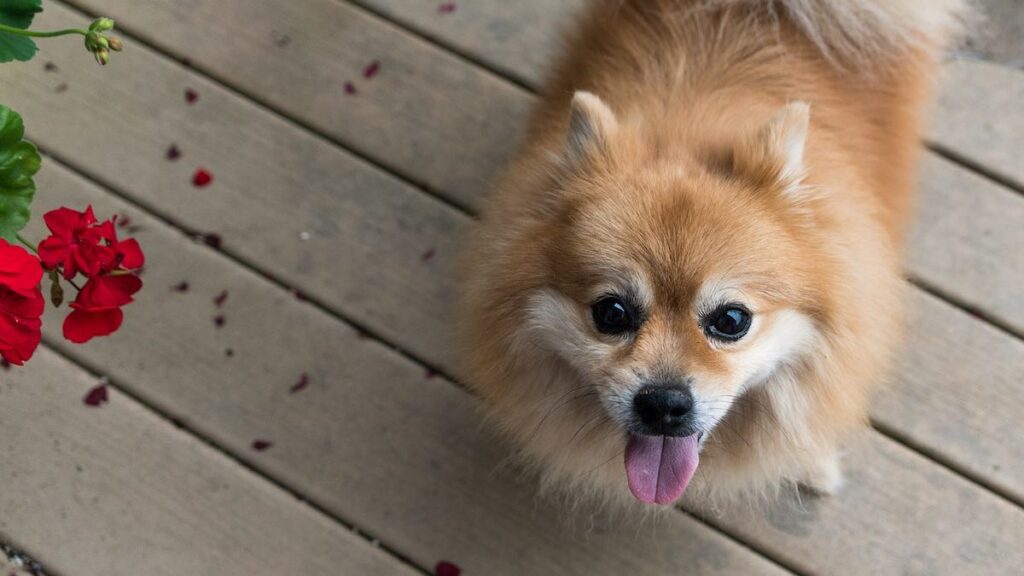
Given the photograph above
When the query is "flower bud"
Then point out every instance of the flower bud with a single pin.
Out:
(102, 56)
(115, 44)
(101, 25)
(92, 40)
(102, 42)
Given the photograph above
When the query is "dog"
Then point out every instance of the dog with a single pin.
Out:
(689, 278)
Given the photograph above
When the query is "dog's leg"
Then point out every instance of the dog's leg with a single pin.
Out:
(825, 477)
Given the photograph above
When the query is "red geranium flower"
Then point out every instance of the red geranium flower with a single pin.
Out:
(97, 309)
(21, 303)
(74, 243)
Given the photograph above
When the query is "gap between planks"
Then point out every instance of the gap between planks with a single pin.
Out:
(973, 166)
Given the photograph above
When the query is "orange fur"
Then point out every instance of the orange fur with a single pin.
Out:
(673, 180)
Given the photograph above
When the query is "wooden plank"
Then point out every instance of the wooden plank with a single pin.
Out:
(516, 39)
(957, 394)
(979, 117)
(331, 43)
(117, 490)
(266, 254)
(828, 536)
(967, 241)
(478, 29)
(372, 438)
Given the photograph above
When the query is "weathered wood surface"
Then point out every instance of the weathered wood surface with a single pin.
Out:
(957, 394)
(373, 438)
(274, 181)
(918, 522)
(116, 490)
(967, 241)
(978, 117)
(458, 139)
(516, 39)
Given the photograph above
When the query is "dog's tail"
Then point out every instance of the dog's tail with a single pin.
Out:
(855, 32)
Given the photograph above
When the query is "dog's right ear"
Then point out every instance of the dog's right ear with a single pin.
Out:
(591, 125)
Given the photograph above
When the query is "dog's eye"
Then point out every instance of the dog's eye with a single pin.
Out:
(729, 322)
(613, 316)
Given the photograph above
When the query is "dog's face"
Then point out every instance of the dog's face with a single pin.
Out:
(673, 287)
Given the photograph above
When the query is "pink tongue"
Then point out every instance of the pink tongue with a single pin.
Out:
(659, 467)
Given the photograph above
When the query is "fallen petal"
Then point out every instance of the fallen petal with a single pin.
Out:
(96, 397)
(445, 568)
(202, 178)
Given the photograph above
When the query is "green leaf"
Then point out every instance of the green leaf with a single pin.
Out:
(18, 14)
(19, 161)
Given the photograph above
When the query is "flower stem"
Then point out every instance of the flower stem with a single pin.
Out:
(38, 34)
(26, 243)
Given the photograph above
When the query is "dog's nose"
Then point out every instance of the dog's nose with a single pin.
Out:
(664, 410)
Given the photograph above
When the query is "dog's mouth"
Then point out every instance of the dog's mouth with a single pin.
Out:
(659, 468)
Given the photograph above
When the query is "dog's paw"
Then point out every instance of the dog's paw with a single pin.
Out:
(825, 478)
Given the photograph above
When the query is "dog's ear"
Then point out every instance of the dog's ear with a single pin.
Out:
(591, 125)
(774, 154)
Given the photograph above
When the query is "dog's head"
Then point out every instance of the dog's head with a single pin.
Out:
(674, 284)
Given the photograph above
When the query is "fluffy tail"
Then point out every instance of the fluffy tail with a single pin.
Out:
(859, 31)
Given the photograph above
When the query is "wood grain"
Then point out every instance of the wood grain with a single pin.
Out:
(516, 39)
(956, 393)
(897, 514)
(967, 241)
(458, 140)
(116, 490)
(978, 117)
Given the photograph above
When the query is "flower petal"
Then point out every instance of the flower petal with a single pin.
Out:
(19, 270)
(53, 251)
(63, 221)
(104, 292)
(81, 325)
(131, 254)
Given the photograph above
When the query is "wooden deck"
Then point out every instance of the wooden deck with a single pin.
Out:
(357, 201)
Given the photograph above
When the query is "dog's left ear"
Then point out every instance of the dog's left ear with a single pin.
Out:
(591, 125)
(774, 154)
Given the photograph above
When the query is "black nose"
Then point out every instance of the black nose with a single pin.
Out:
(664, 410)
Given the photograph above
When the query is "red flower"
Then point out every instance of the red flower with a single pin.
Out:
(97, 309)
(74, 241)
(21, 303)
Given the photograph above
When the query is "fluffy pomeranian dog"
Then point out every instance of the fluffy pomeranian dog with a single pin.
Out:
(693, 264)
